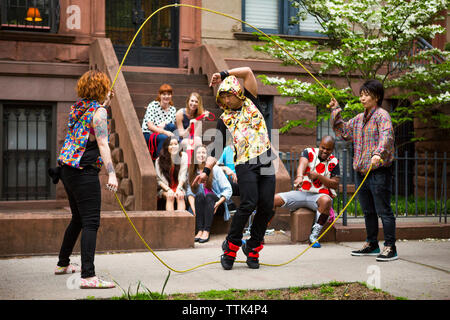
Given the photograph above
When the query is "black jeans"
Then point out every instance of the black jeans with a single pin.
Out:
(375, 200)
(204, 210)
(257, 190)
(84, 193)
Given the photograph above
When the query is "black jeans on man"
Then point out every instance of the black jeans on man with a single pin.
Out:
(84, 193)
(257, 190)
(375, 200)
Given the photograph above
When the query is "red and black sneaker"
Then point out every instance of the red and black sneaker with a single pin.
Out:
(252, 255)
(229, 254)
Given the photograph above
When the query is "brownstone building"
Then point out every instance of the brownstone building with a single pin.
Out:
(46, 45)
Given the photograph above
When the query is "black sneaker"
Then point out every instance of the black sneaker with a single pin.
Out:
(229, 254)
(369, 249)
(252, 255)
(389, 254)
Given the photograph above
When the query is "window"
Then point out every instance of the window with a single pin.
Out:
(30, 15)
(272, 16)
(266, 105)
(27, 151)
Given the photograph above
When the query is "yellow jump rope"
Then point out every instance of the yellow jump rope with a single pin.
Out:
(300, 64)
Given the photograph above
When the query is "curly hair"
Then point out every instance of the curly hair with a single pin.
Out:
(93, 85)
(165, 88)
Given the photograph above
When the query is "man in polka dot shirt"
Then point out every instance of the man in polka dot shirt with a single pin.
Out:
(315, 184)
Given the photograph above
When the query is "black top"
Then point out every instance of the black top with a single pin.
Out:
(90, 155)
(185, 120)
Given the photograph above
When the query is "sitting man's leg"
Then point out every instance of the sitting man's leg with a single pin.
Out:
(291, 200)
(324, 203)
(278, 201)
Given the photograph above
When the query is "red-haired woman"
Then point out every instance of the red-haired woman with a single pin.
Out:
(83, 153)
(159, 120)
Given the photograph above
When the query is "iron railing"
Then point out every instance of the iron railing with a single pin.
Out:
(421, 194)
(417, 46)
(26, 151)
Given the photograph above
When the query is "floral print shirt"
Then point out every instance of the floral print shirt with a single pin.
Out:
(247, 125)
(79, 125)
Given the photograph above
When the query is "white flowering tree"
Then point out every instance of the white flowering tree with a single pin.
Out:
(368, 39)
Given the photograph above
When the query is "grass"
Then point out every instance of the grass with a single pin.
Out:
(329, 291)
(146, 295)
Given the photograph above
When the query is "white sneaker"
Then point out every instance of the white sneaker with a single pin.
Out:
(95, 283)
(315, 232)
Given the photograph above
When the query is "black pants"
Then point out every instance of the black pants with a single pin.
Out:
(375, 200)
(204, 210)
(84, 193)
(257, 190)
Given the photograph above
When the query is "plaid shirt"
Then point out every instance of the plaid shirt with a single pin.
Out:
(371, 133)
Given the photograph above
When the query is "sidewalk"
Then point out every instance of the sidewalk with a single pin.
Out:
(422, 271)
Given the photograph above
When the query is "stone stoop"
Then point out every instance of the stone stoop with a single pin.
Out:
(301, 223)
(302, 219)
(404, 231)
(143, 84)
(42, 233)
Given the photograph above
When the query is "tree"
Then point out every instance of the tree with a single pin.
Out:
(368, 39)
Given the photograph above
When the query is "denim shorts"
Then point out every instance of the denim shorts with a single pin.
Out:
(300, 199)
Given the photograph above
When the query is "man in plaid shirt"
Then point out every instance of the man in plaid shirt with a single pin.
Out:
(372, 135)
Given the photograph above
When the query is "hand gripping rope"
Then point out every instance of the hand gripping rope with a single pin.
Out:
(293, 58)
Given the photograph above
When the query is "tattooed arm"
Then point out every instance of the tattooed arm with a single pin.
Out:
(101, 134)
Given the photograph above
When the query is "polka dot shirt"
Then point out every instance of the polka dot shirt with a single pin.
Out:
(156, 115)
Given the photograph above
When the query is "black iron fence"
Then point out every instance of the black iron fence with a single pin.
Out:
(419, 184)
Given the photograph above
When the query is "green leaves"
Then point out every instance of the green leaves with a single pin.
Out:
(370, 39)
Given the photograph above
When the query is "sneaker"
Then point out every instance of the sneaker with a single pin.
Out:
(316, 245)
(95, 283)
(315, 232)
(388, 254)
(71, 268)
(368, 249)
(229, 254)
(252, 255)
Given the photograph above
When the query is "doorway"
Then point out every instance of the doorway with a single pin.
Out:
(156, 44)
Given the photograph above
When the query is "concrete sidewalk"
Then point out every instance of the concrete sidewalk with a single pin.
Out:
(422, 271)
